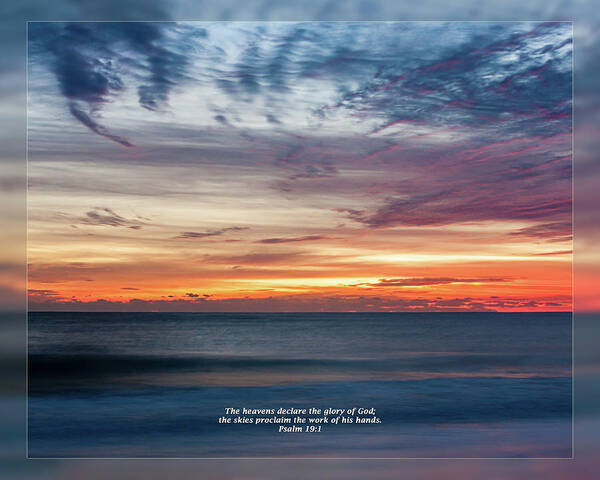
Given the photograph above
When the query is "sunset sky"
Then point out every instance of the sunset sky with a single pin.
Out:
(300, 166)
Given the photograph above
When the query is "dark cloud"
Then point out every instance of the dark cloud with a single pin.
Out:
(315, 171)
(221, 119)
(272, 119)
(493, 71)
(166, 67)
(84, 78)
(210, 233)
(80, 76)
(195, 297)
(306, 238)
(94, 126)
(42, 293)
(91, 66)
(107, 216)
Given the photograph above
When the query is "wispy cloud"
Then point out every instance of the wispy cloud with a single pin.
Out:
(94, 126)
(209, 233)
(42, 293)
(553, 231)
(107, 216)
(306, 238)
(558, 252)
(428, 281)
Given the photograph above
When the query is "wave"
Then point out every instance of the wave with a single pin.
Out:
(90, 369)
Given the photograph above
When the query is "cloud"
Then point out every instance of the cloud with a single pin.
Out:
(221, 119)
(166, 67)
(446, 207)
(306, 238)
(559, 252)
(553, 231)
(82, 78)
(195, 297)
(94, 126)
(503, 76)
(351, 213)
(483, 73)
(107, 216)
(259, 259)
(315, 171)
(61, 272)
(192, 302)
(524, 179)
(42, 293)
(209, 233)
(94, 62)
(428, 281)
(272, 119)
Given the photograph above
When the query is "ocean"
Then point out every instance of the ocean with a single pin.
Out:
(444, 385)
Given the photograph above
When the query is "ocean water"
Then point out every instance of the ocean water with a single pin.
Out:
(458, 385)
